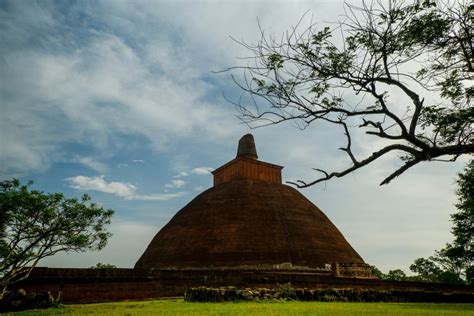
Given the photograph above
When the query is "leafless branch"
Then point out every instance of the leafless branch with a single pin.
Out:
(304, 77)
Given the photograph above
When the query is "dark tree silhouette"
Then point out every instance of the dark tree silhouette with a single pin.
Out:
(400, 72)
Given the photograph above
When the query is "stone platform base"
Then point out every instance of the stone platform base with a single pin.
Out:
(103, 285)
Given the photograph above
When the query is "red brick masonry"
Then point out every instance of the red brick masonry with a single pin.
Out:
(102, 285)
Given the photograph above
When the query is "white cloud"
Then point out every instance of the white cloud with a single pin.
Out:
(84, 183)
(130, 80)
(197, 170)
(95, 91)
(123, 190)
(182, 174)
(202, 170)
(176, 184)
(92, 163)
(138, 161)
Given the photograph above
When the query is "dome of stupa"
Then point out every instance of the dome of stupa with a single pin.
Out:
(248, 219)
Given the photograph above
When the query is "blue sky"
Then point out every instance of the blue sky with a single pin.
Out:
(120, 99)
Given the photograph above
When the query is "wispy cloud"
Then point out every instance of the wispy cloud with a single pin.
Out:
(157, 197)
(175, 184)
(122, 189)
(92, 163)
(138, 161)
(182, 174)
(202, 170)
(91, 90)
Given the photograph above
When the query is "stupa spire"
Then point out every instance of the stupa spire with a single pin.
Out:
(246, 166)
(247, 147)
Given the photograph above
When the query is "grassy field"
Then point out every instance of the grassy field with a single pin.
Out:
(179, 307)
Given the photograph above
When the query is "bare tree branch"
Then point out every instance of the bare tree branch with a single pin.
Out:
(420, 50)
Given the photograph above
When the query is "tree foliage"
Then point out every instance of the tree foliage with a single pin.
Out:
(428, 270)
(38, 225)
(463, 220)
(101, 265)
(454, 263)
(401, 73)
(376, 272)
(396, 275)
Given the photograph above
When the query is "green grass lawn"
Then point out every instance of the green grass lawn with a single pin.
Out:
(179, 307)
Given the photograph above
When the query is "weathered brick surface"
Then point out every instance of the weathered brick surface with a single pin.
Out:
(249, 219)
(248, 223)
(100, 285)
(245, 168)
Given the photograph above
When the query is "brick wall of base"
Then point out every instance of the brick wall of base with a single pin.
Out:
(103, 285)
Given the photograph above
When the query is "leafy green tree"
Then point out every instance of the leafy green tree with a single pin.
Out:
(376, 272)
(454, 262)
(426, 269)
(396, 275)
(103, 266)
(400, 72)
(38, 225)
(462, 248)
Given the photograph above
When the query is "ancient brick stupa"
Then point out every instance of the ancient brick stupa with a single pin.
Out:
(249, 219)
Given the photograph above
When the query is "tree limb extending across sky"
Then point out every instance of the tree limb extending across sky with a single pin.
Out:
(401, 72)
